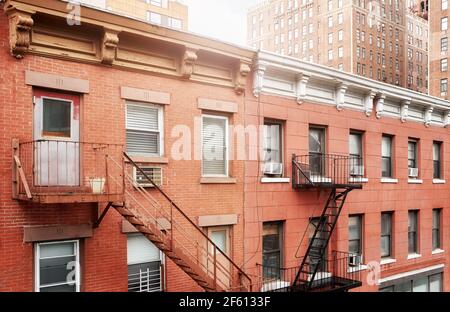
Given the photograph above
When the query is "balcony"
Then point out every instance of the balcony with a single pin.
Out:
(51, 171)
(338, 273)
(317, 170)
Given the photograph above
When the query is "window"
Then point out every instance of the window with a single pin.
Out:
(145, 265)
(330, 38)
(220, 236)
(444, 44)
(57, 115)
(154, 17)
(444, 86)
(317, 150)
(444, 5)
(444, 64)
(340, 35)
(386, 155)
(273, 146)
(435, 282)
(144, 129)
(356, 156)
(57, 267)
(437, 160)
(330, 55)
(176, 23)
(413, 244)
(214, 146)
(355, 239)
(340, 18)
(272, 249)
(436, 231)
(386, 234)
(330, 21)
(341, 52)
(412, 154)
(444, 23)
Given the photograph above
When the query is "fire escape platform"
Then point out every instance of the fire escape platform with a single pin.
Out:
(69, 198)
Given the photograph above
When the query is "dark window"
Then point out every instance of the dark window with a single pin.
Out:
(317, 151)
(356, 154)
(386, 155)
(412, 154)
(437, 228)
(386, 234)
(437, 160)
(355, 240)
(272, 249)
(56, 117)
(413, 246)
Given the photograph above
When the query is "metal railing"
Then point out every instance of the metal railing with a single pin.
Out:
(147, 280)
(335, 272)
(67, 167)
(326, 169)
(154, 206)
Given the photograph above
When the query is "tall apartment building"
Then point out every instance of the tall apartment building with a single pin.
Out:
(439, 15)
(169, 13)
(362, 37)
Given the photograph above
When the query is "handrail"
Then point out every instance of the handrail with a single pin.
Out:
(240, 271)
(294, 161)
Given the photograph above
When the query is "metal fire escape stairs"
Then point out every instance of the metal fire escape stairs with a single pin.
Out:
(161, 221)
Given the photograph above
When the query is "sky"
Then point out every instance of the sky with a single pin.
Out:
(221, 19)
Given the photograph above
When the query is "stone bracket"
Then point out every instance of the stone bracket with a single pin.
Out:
(258, 78)
(404, 110)
(380, 104)
(368, 103)
(187, 62)
(241, 77)
(109, 46)
(428, 115)
(20, 25)
(341, 89)
(300, 87)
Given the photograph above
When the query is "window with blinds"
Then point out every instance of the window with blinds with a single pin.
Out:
(144, 129)
(214, 146)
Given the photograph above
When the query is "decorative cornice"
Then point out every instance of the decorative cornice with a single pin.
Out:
(20, 24)
(340, 95)
(380, 104)
(428, 115)
(368, 102)
(404, 110)
(109, 46)
(300, 87)
(187, 62)
(259, 70)
(447, 119)
(241, 77)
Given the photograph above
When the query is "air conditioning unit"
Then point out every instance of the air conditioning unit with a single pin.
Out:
(413, 172)
(357, 171)
(354, 260)
(272, 168)
(154, 173)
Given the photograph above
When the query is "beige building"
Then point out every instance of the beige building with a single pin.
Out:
(169, 13)
(363, 37)
(439, 53)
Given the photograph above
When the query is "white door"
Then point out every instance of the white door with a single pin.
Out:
(56, 136)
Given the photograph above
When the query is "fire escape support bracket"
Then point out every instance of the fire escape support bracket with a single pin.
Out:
(103, 215)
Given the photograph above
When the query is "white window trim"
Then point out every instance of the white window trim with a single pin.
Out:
(414, 256)
(41, 121)
(226, 175)
(439, 181)
(37, 282)
(387, 261)
(389, 180)
(275, 180)
(437, 251)
(359, 180)
(160, 126)
(415, 181)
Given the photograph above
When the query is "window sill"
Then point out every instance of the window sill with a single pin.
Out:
(387, 261)
(218, 180)
(414, 256)
(359, 180)
(439, 181)
(437, 251)
(415, 181)
(389, 180)
(275, 180)
(149, 160)
(320, 179)
(358, 268)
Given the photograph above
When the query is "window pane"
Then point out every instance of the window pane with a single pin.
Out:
(316, 140)
(354, 247)
(404, 287)
(386, 223)
(56, 250)
(272, 143)
(386, 146)
(214, 146)
(141, 142)
(354, 227)
(56, 117)
(220, 239)
(60, 288)
(385, 246)
(144, 277)
(355, 144)
(412, 243)
(420, 285)
(436, 283)
(386, 167)
(412, 221)
(55, 270)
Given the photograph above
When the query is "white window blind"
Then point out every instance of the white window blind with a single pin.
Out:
(141, 250)
(144, 127)
(214, 146)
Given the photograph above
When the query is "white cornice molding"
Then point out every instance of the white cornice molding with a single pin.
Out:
(341, 88)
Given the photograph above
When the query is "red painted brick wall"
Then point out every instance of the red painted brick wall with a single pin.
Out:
(104, 263)
(279, 202)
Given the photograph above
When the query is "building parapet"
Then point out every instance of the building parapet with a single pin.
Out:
(307, 82)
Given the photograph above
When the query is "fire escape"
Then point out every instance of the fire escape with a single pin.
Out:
(321, 270)
(48, 172)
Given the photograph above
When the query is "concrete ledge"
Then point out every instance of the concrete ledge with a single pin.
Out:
(414, 256)
(143, 95)
(56, 82)
(275, 180)
(217, 220)
(56, 232)
(213, 180)
(216, 105)
(437, 251)
(439, 181)
(387, 261)
(389, 180)
(415, 181)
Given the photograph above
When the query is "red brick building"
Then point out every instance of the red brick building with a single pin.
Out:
(123, 169)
